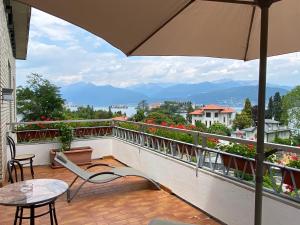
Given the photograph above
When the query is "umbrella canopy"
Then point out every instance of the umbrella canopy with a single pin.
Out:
(236, 29)
(183, 27)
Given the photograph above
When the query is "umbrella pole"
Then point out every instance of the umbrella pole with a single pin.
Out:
(261, 113)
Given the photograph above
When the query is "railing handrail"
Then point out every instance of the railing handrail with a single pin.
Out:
(281, 147)
(225, 138)
(58, 121)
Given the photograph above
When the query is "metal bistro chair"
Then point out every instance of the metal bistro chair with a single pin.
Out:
(24, 158)
(13, 166)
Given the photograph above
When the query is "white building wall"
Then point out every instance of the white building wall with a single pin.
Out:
(101, 147)
(7, 80)
(226, 200)
(208, 121)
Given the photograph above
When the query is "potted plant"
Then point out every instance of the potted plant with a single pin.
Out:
(78, 155)
(236, 162)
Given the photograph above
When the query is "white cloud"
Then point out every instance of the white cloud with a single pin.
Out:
(66, 54)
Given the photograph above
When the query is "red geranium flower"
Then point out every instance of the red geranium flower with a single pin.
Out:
(164, 123)
(180, 126)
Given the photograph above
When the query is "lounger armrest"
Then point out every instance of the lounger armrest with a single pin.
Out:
(99, 164)
(102, 173)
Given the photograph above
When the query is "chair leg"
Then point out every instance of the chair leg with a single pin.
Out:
(21, 216)
(16, 216)
(70, 196)
(31, 168)
(16, 174)
(32, 215)
(51, 213)
(54, 213)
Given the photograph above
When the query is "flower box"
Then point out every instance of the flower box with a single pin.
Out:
(78, 155)
(239, 165)
(288, 178)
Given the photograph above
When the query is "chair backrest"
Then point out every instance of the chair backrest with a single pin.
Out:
(68, 164)
(13, 166)
(12, 147)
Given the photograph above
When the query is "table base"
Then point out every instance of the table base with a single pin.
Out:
(51, 211)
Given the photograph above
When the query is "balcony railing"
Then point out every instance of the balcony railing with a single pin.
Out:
(278, 180)
(42, 131)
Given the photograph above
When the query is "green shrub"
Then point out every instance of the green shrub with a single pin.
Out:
(239, 149)
(66, 136)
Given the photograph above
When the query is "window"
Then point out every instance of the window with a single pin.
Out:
(224, 119)
(208, 114)
(205, 122)
(209, 123)
(216, 115)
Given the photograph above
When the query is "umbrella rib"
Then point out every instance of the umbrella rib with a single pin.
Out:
(249, 33)
(234, 2)
(160, 27)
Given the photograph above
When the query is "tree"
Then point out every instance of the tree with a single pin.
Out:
(158, 118)
(242, 120)
(143, 105)
(139, 116)
(87, 112)
(291, 108)
(270, 110)
(39, 99)
(254, 113)
(277, 106)
(200, 126)
(247, 107)
(218, 128)
(245, 118)
(110, 114)
(178, 119)
(189, 109)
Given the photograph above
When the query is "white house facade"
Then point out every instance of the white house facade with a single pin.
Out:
(210, 114)
(272, 129)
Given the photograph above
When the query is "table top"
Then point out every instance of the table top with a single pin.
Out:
(31, 192)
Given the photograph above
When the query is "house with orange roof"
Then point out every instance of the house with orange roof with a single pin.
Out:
(210, 114)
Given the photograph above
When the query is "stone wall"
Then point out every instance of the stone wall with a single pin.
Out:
(7, 80)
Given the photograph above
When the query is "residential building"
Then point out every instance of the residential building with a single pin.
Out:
(272, 129)
(14, 29)
(155, 105)
(210, 114)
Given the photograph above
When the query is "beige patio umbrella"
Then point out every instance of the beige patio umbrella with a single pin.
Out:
(235, 29)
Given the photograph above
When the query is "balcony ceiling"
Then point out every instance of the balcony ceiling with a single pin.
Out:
(21, 19)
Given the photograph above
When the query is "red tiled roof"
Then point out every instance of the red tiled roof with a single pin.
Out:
(197, 112)
(212, 107)
(228, 110)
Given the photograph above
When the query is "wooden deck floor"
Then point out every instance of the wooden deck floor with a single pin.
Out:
(124, 201)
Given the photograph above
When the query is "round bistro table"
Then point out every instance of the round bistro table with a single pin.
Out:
(32, 194)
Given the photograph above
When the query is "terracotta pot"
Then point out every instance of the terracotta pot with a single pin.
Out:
(79, 156)
(240, 163)
(288, 178)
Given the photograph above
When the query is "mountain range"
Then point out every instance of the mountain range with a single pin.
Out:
(232, 93)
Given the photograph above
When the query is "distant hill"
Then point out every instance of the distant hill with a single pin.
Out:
(234, 96)
(225, 92)
(90, 94)
(185, 91)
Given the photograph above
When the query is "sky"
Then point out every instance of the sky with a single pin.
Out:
(66, 54)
